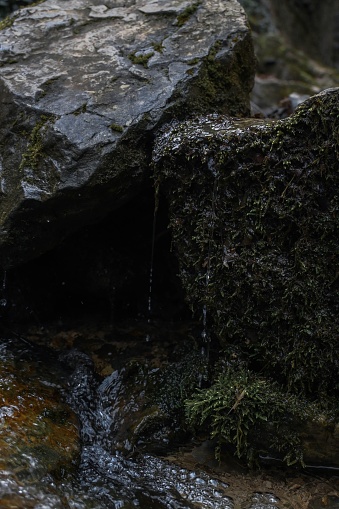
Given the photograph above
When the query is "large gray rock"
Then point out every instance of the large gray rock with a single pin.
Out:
(84, 84)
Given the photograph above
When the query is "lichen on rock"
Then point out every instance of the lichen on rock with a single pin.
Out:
(254, 218)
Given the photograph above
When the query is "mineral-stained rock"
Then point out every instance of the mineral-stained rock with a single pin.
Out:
(254, 216)
(38, 431)
(82, 87)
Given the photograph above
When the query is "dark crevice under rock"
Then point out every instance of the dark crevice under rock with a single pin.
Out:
(102, 271)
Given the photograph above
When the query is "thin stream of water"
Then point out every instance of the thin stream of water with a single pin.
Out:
(150, 288)
(145, 481)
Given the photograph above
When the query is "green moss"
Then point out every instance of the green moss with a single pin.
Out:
(254, 215)
(193, 61)
(46, 86)
(7, 22)
(177, 382)
(251, 413)
(38, 2)
(140, 59)
(184, 16)
(34, 151)
(117, 128)
(158, 46)
(8, 62)
(224, 86)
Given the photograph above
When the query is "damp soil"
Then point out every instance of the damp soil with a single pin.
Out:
(292, 489)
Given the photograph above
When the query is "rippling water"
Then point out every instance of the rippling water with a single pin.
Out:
(104, 477)
(145, 481)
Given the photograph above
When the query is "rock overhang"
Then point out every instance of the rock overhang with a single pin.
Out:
(83, 86)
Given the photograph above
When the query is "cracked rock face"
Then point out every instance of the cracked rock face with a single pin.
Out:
(83, 87)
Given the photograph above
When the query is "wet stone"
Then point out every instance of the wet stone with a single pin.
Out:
(83, 133)
(39, 439)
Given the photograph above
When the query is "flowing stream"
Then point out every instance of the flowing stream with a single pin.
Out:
(103, 477)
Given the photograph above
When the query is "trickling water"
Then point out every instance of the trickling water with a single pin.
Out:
(105, 478)
(150, 288)
(3, 300)
(112, 478)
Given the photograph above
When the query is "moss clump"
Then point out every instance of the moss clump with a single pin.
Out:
(45, 87)
(254, 211)
(139, 58)
(8, 62)
(7, 22)
(177, 382)
(117, 128)
(38, 2)
(194, 61)
(224, 84)
(34, 151)
(251, 413)
(157, 46)
(184, 16)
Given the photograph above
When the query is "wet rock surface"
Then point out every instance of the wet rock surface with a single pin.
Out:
(125, 385)
(82, 88)
(39, 438)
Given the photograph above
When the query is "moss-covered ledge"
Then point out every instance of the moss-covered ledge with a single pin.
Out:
(254, 218)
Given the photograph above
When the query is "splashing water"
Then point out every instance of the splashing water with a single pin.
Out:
(110, 477)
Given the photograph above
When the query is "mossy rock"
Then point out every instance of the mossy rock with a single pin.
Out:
(148, 403)
(254, 218)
